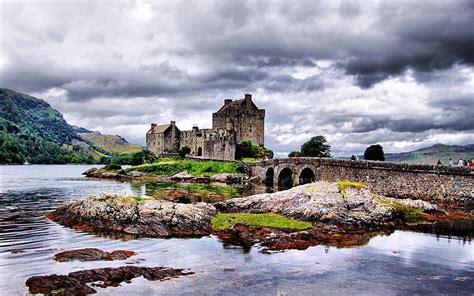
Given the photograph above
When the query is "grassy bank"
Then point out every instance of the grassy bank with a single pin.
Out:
(223, 221)
(174, 165)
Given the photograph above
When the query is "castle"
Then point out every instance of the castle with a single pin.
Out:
(236, 121)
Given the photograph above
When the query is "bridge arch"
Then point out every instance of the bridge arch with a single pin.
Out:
(285, 179)
(306, 176)
(269, 177)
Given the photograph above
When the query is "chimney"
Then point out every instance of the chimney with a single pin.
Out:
(248, 101)
(227, 101)
(172, 122)
(153, 125)
(195, 127)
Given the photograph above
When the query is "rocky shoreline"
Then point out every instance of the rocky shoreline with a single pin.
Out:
(179, 177)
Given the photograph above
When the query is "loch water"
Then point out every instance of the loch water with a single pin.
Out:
(402, 262)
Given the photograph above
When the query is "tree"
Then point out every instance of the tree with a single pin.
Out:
(316, 147)
(294, 154)
(374, 152)
(143, 156)
(184, 150)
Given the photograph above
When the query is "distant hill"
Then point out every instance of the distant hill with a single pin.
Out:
(430, 155)
(32, 131)
(114, 144)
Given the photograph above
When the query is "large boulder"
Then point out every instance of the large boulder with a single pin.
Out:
(325, 202)
(143, 216)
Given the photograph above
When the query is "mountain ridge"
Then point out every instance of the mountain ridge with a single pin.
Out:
(32, 131)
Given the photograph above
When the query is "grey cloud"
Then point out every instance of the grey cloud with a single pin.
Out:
(187, 57)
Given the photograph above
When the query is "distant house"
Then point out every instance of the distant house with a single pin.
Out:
(236, 121)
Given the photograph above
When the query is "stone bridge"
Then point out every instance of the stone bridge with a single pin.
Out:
(428, 182)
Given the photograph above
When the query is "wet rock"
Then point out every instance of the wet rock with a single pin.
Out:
(90, 171)
(254, 180)
(280, 240)
(205, 180)
(142, 216)
(92, 254)
(101, 174)
(228, 178)
(322, 201)
(136, 174)
(75, 283)
(183, 176)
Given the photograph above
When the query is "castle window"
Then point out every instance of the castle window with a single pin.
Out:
(250, 128)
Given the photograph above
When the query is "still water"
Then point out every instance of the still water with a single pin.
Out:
(401, 263)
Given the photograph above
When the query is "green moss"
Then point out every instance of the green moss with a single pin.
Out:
(223, 221)
(171, 166)
(407, 214)
(250, 160)
(57, 291)
(342, 185)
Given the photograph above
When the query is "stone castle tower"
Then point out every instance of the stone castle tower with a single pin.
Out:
(236, 121)
(242, 116)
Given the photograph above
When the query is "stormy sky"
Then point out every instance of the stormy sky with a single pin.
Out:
(397, 73)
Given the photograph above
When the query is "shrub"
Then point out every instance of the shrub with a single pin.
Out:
(112, 167)
(184, 150)
(246, 149)
(374, 152)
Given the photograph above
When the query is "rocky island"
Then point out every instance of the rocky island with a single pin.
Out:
(334, 212)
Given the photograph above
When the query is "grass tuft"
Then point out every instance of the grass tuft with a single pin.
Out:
(223, 221)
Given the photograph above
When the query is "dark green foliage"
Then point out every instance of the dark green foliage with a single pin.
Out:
(34, 117)
(122, 159)
(247, 150)
(316, 147)
(113, 167)
(18, 148)
(144, 156)
(105, 160)
(374, 152)
(30, 130)
(184, 150)
(294, 154)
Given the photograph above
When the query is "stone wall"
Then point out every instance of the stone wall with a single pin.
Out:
(210, 143)
(427, 182)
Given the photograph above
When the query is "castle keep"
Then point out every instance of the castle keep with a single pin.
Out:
(236, 121)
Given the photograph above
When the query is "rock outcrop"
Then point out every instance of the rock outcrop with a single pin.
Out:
(142, 216)
(316, 202)
(325, 202)
(92, 254)
(76, 283)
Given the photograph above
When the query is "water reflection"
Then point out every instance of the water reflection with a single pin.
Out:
(401, 263)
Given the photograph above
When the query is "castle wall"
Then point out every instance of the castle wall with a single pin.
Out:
(212, 143)
(155, 143)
